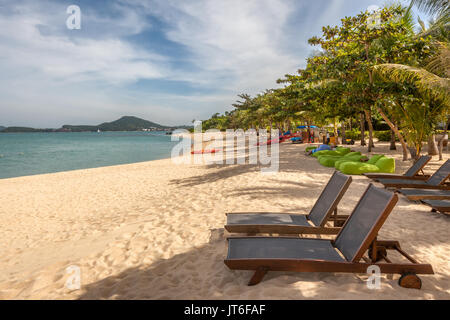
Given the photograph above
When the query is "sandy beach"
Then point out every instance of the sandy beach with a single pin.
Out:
(155, 230)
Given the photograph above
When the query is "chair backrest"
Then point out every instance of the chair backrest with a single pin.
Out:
(417, 166)
(440, 175)
(329, 198)
(362, 227)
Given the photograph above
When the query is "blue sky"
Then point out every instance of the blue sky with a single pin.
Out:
(163, 60)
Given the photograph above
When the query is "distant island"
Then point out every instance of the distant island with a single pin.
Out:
(126, 123)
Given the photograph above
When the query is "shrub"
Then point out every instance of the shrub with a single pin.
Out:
(355, 135)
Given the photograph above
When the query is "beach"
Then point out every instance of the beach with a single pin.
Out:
(155, 230)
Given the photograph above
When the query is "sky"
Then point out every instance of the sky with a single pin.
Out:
(165, 61)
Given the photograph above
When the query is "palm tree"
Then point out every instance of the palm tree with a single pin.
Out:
(432, 79)
(432, 6)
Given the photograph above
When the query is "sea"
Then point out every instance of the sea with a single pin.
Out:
(23, 154)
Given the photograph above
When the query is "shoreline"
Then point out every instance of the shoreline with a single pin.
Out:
(154, 230)
(83, 169)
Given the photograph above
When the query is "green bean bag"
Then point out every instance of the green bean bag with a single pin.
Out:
(383, 165)
(355, 158)
(325, 153)
(310, 148)
(375, 158)
(328, 161)
(386, 165)
(337, 164)
(357, 168)
(343, 151)
(351, 154)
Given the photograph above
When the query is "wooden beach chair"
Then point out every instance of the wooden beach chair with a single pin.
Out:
(425, 194)
(345, 254)
(436, 181)
(442, 206)
(412, 173)
(324, 210)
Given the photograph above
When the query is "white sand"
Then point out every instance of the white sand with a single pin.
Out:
(154, 230)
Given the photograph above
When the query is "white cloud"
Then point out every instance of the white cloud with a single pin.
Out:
(240, 42)
(60, 57)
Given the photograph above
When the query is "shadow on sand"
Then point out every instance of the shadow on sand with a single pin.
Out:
(201, 274)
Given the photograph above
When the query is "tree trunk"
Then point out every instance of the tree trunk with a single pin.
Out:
(369, 121)
(417, 151)
(414, 153)
(399, 135)
(336, 136)
(363, 130)
(343, 133)
(392, 146)
(432, 147)
(442, 140)
(309, 131)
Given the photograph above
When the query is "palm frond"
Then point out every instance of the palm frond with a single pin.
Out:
(427, 83)
(432, 6)
(438, 28)
(440, 63)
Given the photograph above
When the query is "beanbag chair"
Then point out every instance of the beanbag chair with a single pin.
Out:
(355, 158)
(337, 164)
(386, 165)
(343, 151)
(328, 161)
(310, 148)
(357, 168)
(324, 153)
(322, 148)
(351, 154)
(375, 158)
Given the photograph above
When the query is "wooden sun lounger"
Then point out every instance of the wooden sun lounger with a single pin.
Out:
(345, 254)
(436, 181)
(412, 173)
(325, 210)
(442, 206)
(425, 194)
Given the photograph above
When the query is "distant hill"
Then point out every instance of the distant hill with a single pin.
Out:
(24, 129)
(129, 124)
(126, 123)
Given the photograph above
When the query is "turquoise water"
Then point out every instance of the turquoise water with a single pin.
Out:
(23, 154)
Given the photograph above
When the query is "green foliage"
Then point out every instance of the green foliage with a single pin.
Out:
(355, 134)
(383, 135)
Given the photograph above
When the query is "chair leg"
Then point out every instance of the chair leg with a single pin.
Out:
(258, 276)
